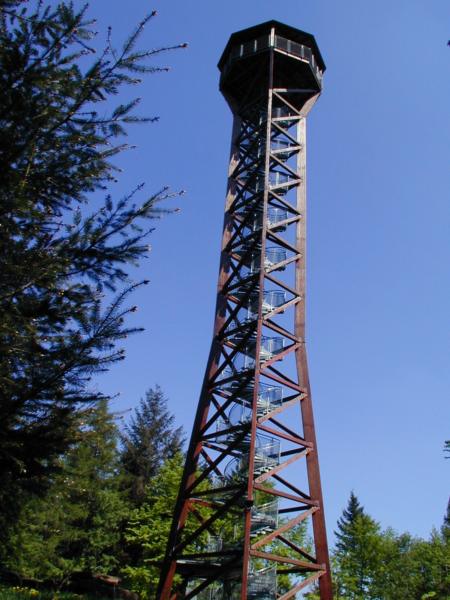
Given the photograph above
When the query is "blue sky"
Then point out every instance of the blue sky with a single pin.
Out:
(378, 251)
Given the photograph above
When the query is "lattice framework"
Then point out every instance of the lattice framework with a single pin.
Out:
(238, 525)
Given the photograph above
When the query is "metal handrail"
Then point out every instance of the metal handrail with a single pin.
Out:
(279, 43)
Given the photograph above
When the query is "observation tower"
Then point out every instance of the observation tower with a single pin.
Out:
(249, 519)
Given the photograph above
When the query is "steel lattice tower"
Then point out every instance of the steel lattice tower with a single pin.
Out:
(251, 480)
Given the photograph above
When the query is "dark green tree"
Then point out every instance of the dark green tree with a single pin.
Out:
(344, 534)
(445, 530)
(58, 137)
(357, 552)
(76, 526)
(148, 440)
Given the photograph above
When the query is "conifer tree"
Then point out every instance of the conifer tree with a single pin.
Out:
(445, 530)
(148, 440)
(357, 552)
(371, 564)
(76, 526)
(59, 135)
(344, 534)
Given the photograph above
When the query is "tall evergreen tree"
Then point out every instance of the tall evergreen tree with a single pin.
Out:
(148, 440)
(76, 526)
(344, 533)
(357, 552)
(57, 255)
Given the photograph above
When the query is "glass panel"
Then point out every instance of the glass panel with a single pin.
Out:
(269, 398)
(274, 255)
(264, 518)
(271, 346)
(275, 215)
(262, 584)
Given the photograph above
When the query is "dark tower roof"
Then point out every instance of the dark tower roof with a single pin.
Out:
(290, 56)
(296, 35)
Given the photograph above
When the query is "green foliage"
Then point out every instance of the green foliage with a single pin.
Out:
(382, 565)
(147, 441)
(58, 138)
(411, 568)
(445, 531)
(76, 526)
(358, 556)
(27, 593)
(149, 526)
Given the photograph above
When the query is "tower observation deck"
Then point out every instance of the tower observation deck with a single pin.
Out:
(250, 499)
